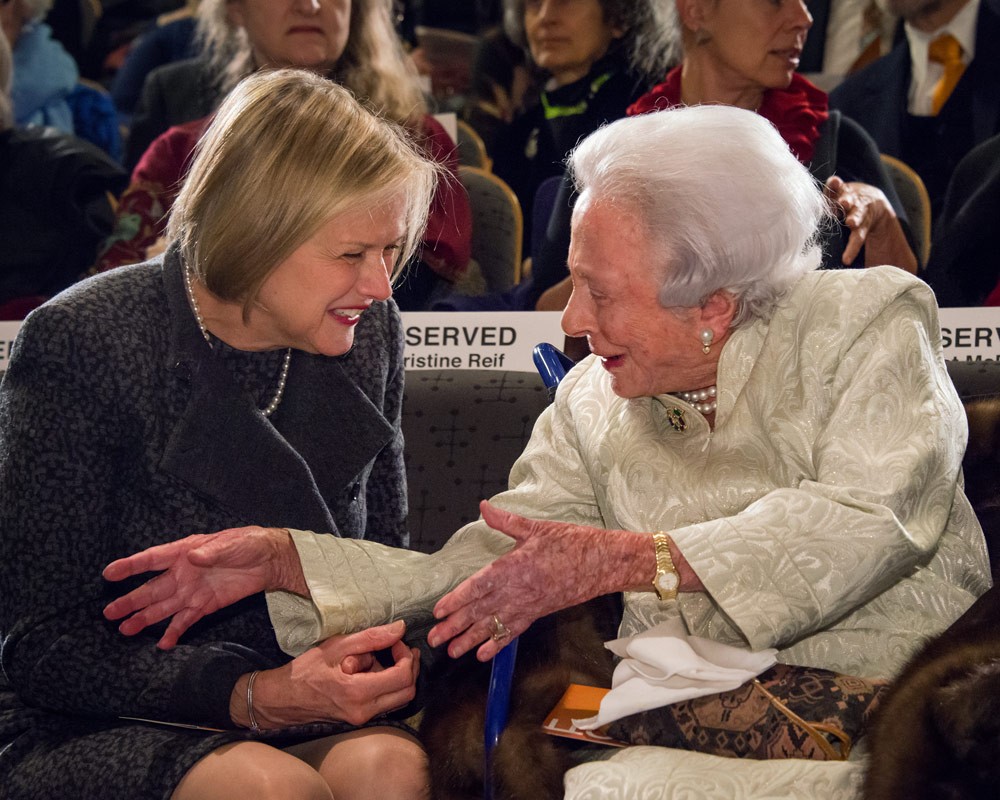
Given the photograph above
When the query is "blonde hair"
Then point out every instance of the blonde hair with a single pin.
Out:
(373, 65)
(287, 151)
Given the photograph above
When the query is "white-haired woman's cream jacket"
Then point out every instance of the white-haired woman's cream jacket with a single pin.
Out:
(824, 513)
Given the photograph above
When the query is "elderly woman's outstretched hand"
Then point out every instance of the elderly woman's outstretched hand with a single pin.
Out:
(874, 225)
(554, 565)
(201, 574)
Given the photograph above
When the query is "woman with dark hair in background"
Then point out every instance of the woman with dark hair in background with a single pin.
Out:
(593, 58)
(55, 207)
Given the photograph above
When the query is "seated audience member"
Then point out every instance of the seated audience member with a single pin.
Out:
(594, 58)
(253, 371)
(353, 43)
(964, 266)
(47, 90)
(745, 54)
(55, 207)
(846, 36)
(937, 94)
(44, 73)
(503, 83)
(171, 39)
(742, 411)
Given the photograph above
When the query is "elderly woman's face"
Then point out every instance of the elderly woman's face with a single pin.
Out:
(756, 42)
(314, 299)
(567, 36)
(294, 33)
(647, 349)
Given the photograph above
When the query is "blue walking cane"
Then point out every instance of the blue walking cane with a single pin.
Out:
(552, 365)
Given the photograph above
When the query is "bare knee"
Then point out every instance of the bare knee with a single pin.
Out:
(378, 764)
(251, 771)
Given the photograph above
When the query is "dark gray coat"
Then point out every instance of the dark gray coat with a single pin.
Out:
(121, 429)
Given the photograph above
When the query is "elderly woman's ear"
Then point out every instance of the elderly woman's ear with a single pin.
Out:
(717, 313)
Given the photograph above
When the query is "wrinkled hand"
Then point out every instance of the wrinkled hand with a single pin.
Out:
(338, 680)
(201, 574)
(873, 223)
(553, 565)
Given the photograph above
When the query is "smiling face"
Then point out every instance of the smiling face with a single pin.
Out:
(567, 36)
(647, 349)
(294, 33)
(751, 43)
(314, 299)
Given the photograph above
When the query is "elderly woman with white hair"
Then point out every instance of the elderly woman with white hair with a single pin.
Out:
(764, 454)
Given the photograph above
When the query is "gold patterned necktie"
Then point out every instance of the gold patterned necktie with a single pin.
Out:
(946, 51)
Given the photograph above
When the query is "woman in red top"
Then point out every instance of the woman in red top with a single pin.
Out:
(744, 53)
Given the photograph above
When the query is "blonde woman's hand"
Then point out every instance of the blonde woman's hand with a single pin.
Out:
(339, 679)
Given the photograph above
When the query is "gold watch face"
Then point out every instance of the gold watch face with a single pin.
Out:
(667, 582)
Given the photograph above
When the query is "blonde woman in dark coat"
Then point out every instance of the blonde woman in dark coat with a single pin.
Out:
(253, 372)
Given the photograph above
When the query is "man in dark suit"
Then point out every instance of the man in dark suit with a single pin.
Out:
(846, 36)
(894, 98)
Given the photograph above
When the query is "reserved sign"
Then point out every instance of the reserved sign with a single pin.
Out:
(486, 340)
(503, 340)
(444, 339)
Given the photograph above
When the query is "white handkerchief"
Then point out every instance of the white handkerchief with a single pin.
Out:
(665, 665)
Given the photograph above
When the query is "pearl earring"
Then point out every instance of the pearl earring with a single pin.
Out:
(706, 340)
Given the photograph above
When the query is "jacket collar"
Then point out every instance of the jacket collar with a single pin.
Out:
(323, 434)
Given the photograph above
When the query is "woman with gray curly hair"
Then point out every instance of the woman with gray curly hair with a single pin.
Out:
(757, 453)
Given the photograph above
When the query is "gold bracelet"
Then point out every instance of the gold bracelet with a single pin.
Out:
(667, 581)
(253, 720)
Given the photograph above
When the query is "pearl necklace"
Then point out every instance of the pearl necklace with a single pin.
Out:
(703, 400)
(271, 407)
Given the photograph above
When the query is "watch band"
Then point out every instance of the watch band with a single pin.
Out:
(667, 581)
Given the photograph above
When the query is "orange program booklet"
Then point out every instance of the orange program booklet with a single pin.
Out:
(578, 702)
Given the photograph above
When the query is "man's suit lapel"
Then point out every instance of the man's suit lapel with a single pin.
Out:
(889, 90)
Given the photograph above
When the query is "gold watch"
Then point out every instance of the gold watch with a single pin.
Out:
(667, 581)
